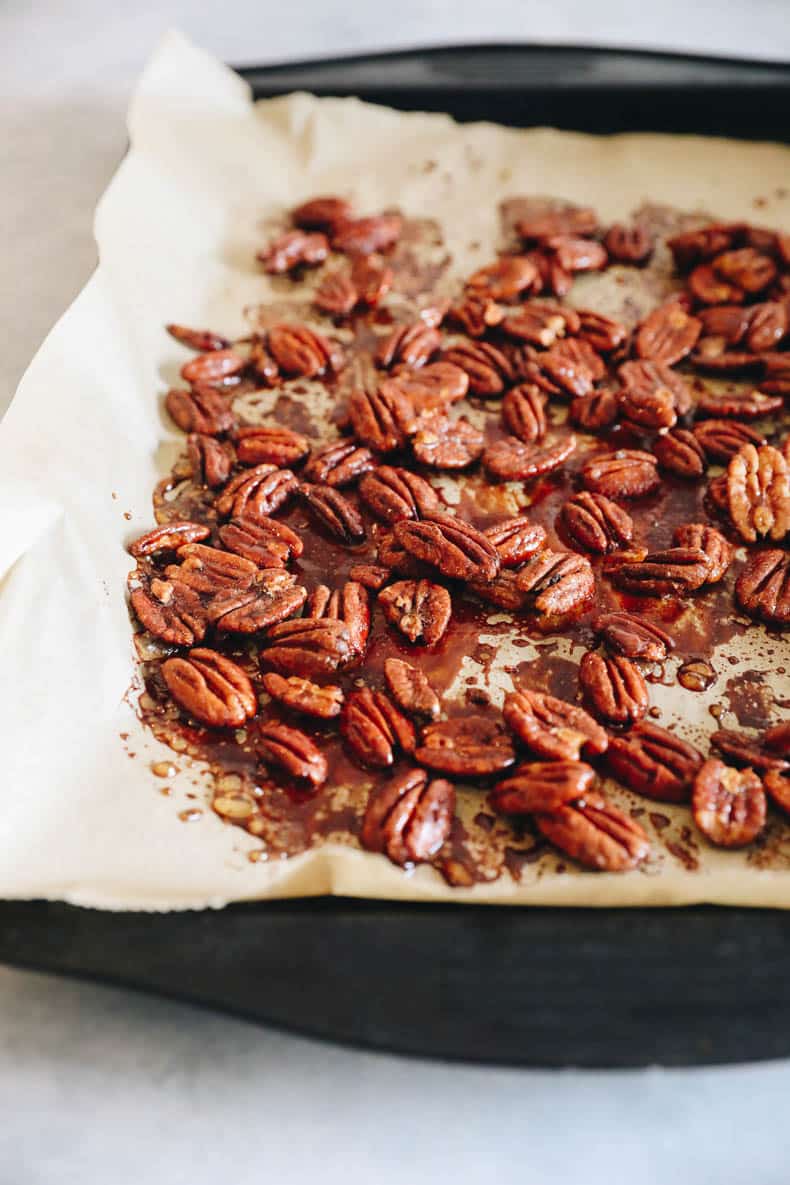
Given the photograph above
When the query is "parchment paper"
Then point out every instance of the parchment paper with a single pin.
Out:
(81, 815)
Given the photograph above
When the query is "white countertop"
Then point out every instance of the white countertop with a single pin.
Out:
(101, 1085)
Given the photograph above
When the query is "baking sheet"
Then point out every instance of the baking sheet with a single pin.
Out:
(81, 816)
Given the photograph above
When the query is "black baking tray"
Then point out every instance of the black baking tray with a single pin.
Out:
(543, 987)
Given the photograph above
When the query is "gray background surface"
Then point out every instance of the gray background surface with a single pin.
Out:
(101, 1085)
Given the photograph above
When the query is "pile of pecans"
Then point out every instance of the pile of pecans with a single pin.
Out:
(221, 579)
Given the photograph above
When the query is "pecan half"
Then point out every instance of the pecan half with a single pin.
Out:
(409, 345)
(626, 473)
(338, 464)
(596, 834)
(777, 738)
(709, 540)
(614, 687)
(675, 570)
(503, 591)
(654, 762)
(433, 387)
(505, 278)
(382, 419)
(308, 647)
(516, 539)
(372, 279)
(576, 254)
(394, 494)
(748, 268)
(737, 404)
(169, 537)
(595, 411)
(334, 511)
(200, 410)
(560, 372)
(768, 325)
(540, 324)
(448, 543)
(273, 597)
(604, 334)
(168, 609)
(256, 493)
(728, 322)
(633, 637)
(213, 369)
(211, 688)
(776, 369)
(467, 747)
(374, 728)
(680, 452)
(546, 222)
(553, 728)
(418, 608)
(728, 804)
(409, 817)
(581, 353)
(336, 294)
(523, 412)
(542, 786)
(709, 288)
(763, 587)
(476, 314)
(370, 576)
(348, 604)
(321, 213)
(266, 542)
(202, 340)
(692, 246)
(509, 459)
(410, 689)
(712, 355)
(743, 750)
(210, 460)
(486, 366)
(721, 439)
(667, 334)
(777, 786)
(593, 522)
(628, 244)
(556, 584)
(302, 352)
(443, 443)
(652, 395)
(270, 445)
(296, 248)
(758, 493)
(290, 750)
(364, 236)
(208, 569)
(302, 695)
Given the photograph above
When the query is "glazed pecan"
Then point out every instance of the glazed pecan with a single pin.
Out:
(652, 395)
(308, 647)
(777, 786)
(776, 369)
(409, 345)
(168, 609)
(614, 687)
(673, 571)
(758, 493)
(334, 511)
(542, 786)
(211, 688)
(768, 325)
(680, 452)
(628, 244)
(448, 543)
(595, 411)
(338, 464)
(709, 288)
(299, 351)
(348, 604)
(213, 369)
(737, 404)
(266, 542)
(409, 817)
(321, 213)
(604, 334)
(555, 584)
(382, 419)
(410, 689)
(393, 494)
(633, 637)
(270, 445)
(503, 591)
(202, 340)
(504, 279)
(667, 334)
(742, 750)
(626, 473)
(553, 728)
(539, 323)
(576, 254)
(712, 355)
(290, 750)
(210, 460)
(523, 412)
(466, 747)
(728, 804)
(509, 459)
(364, 236)
(200, 410)
(763, 587)
(208, 570)
(296, 248)
(418, 608)
(748, 268)
(486, 366)
(596, 833)
(730, 323)
(581, 354)
(692, 246)
(433, 387)
(302, 695)
(721, 439)
(336, 294)
(709, 540)
(516, 539)
(370, 576)
(372, 279)
(777, 738)
(560, 373)
(593, 522)
(374, 728)
(395, 558)
(476, 314)
(272, 597)
(551, 219)
(654, 762)
(443, 443)
(256, 493)
(169, 537)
